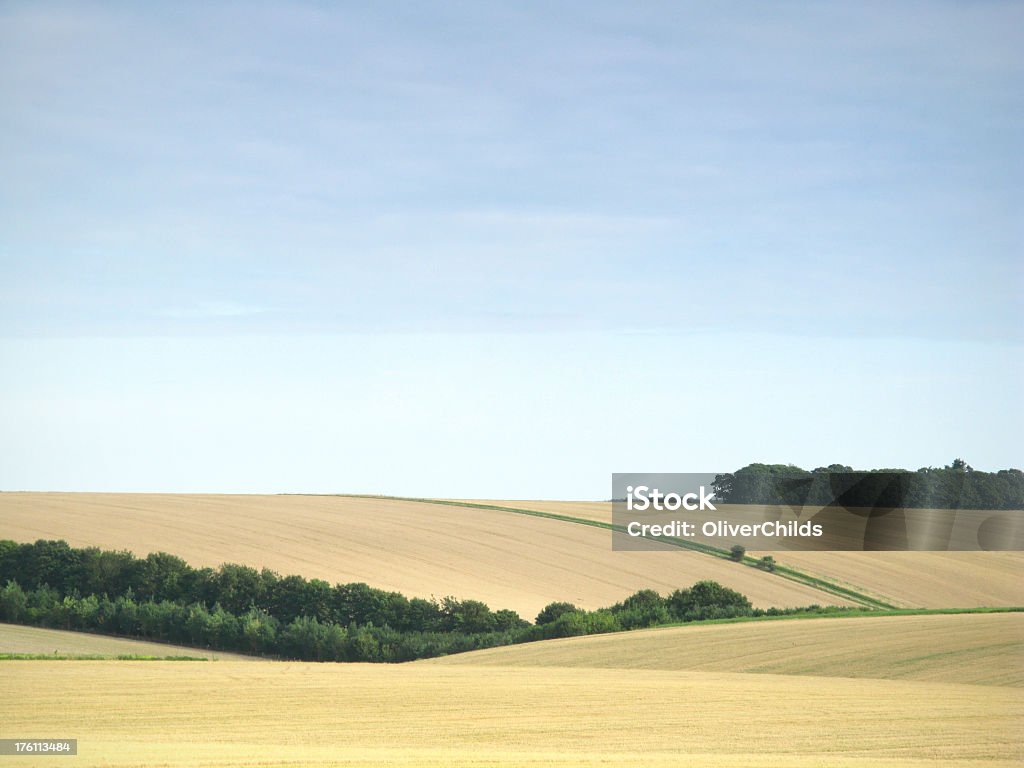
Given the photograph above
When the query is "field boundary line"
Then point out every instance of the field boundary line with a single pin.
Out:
(785, 572)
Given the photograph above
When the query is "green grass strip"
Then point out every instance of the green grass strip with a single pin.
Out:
(849, 613)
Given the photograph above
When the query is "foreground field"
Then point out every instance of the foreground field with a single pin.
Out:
(875, 691)
(275, 714)
(504, 559)
(985, 649)
(34, 640)
(903, 579)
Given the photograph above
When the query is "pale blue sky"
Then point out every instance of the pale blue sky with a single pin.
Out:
(410, 247)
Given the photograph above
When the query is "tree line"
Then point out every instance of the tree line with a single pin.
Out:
(160, 577)
(237, 608)
(954, 486)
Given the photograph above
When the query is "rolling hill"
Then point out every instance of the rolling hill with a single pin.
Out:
(903, 579)
(505, 559)
(979, 649)
(923, 691)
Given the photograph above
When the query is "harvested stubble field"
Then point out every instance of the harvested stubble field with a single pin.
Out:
(36, 640)
(903, 579)
(978, 649)
(502, 558)
(422, 714)
(794, 693)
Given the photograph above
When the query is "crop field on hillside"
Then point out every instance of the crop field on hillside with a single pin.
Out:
(36, 640)
(921, 579)
(905, 579)
(933, 690)
(981, 649)
(504, 559)
(267, 713)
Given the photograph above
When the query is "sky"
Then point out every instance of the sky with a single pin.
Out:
(505, 249)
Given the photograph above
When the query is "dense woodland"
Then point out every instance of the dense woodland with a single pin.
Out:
(237, 608)
(955, 486)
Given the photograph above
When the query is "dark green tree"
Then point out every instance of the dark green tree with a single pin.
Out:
(553, 611)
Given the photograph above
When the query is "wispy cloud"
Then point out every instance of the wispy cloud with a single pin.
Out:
(398, 167)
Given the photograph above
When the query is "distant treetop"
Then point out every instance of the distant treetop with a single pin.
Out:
(955, 486)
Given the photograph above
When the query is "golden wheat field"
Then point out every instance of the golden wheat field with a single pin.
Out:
(860, 692)
(504, 559)
(36, 640)
(978, 649)
(921, 579)
(277, 714)
(903, 579)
